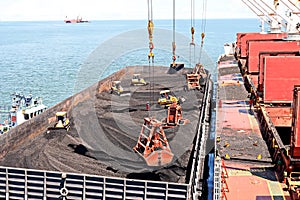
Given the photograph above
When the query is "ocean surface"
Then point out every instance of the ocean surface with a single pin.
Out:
(54, 60)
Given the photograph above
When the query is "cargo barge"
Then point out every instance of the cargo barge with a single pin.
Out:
(95, 159)
(257, 139)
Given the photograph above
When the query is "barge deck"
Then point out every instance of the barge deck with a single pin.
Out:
(99, 146)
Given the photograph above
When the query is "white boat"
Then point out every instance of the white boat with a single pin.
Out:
(24, 108)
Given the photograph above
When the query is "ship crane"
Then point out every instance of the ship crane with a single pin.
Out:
(267, 16)
(292, 5)
(291, 19)
(292, 16)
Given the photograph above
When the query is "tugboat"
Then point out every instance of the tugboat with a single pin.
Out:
(22, 109)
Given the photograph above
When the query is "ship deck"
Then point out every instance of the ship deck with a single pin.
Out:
(247, 168)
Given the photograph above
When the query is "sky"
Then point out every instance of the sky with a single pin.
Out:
(28, 10)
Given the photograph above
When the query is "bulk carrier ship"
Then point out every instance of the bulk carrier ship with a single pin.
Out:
(258, 116)
(116, 149)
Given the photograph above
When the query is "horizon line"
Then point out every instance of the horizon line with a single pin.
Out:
(90, 20)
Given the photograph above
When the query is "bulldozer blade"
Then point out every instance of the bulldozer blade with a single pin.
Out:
(123, 94)
(159, 158)
(140, 84)
(56, 128)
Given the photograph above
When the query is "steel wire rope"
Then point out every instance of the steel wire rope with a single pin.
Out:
(203, 27)
(174, 21)
(152, 89)
(174, 39)
(192, 13)
(150, 55)
(192, 43)
(151, 84)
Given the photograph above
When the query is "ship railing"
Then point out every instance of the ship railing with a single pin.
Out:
(270, 134)
(19, 183)
(217, 178)
(275, 145)
(199, 151)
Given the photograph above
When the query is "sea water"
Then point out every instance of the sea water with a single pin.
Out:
(54, 60)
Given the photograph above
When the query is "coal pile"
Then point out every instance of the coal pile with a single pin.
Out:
(105, 127)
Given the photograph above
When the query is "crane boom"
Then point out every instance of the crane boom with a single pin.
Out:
(266, 14)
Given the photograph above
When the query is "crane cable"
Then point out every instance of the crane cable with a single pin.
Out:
(192, 43)
(151, 54)
(203, 27)
(150, 31)
(174, 43)
(192, 20)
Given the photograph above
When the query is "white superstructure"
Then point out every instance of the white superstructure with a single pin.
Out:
(24, 108)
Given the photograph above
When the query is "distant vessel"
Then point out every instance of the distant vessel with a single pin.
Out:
(77, 20)
(22, 109)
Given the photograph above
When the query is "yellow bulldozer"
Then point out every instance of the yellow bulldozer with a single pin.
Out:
(62, 121)
(116, 88)
(167, 98)
(137, 80)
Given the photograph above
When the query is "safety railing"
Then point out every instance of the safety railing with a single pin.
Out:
(17, 183)
(217, 178)
(199, 153)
